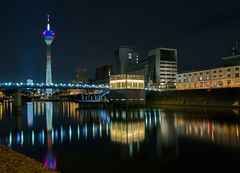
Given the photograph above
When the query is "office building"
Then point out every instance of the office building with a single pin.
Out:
(103, 73)
(141, 68)
(162, 68)
(81, 76)
(125, 58)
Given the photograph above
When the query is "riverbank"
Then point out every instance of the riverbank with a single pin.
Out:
(222, 97)
(11, 161)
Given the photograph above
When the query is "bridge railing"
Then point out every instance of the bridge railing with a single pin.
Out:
(66, 86)
(53, 85)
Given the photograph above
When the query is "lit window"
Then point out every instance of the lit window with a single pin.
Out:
(228, 82)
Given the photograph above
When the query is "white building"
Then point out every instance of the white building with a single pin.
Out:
(162, 65)
(223, 77)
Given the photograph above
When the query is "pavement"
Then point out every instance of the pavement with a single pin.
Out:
(14, 162)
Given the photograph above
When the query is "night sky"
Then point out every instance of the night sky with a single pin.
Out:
(88, 32)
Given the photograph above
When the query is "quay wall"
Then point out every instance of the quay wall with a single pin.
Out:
(224, 97)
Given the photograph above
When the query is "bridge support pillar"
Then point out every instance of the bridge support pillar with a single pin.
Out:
(18, 100)
(105, 98)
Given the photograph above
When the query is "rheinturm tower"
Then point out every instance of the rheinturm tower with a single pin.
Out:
(48, 36)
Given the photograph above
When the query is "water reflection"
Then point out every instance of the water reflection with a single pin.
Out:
(219, 133)
(30, 114)
(132, 131)
(128, 132)
(50, 158)
(124, 127)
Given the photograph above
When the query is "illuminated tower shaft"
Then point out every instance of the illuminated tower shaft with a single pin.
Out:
(49, 66)
(48, 37)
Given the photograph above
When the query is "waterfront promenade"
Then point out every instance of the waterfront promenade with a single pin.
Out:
(11, 161)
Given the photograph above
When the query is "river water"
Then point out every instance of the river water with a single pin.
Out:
(68, 138)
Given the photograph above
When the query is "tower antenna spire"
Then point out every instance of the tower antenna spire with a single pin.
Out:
(48, 25)
(48, 18)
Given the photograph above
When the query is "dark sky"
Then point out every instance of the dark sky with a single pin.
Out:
(88, 32)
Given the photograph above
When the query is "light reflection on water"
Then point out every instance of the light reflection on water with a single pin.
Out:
(54, 125)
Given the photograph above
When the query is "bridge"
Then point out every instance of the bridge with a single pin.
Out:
(22, 85)
(93, 92)
(99, 94)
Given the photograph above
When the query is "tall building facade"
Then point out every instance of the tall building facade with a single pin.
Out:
(140, 68)
(162, 67)
(125, 58)
(103, 73)
(81, 76)
(48, 36)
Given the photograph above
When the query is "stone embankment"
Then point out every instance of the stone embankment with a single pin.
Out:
(13, 162)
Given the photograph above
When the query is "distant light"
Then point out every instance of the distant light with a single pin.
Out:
(18, 138)
(56, 134)
(10, 139)
(32, 137)
(43, 137)
(70, 133)
(22, 138)
(78, 131)
(52, 136)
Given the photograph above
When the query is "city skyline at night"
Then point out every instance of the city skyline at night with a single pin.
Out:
(119, 86)
(89, 32)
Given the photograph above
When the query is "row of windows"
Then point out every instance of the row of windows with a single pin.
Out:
(168, 70)
(162, 74)
(172, 63)
(168, 66)
(214, 76)
(166, 78)
(129, 85)
(214, 71)
(210, 84)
